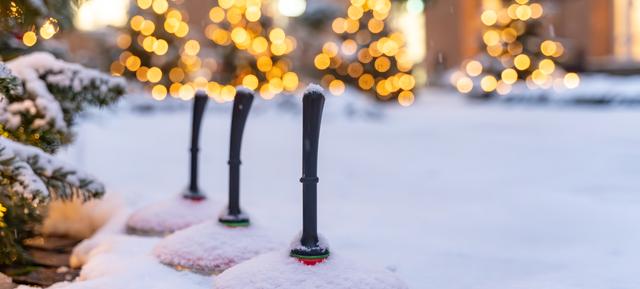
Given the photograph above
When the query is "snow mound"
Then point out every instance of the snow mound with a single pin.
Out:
(278, 270)
(210, 248)
(170, 215)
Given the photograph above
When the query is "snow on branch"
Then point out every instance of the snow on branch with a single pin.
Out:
(43, 94)
(33, 173)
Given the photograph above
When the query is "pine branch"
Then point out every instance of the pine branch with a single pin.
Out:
(50, 93)
(36, 173)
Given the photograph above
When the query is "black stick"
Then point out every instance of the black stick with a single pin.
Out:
(241, 107)
(199, 104)
(312, 104)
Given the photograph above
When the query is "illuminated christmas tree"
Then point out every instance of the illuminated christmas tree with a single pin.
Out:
(516, 53)
(161, 49)
(24, 22)
(252, 50)
(367, 53)
(156, 46)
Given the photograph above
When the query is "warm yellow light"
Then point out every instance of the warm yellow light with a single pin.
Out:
(536, 10)
(491, 38)
(322, 61)
(259, 44)
(123, 41)
(277, 35)
(464, 84)
(355, 69)
(488, 83)
(216, 14)
(330, 48)
(136, 22)
(571, 80)
(547, 66)
(382, 64)
(183, 29)
(226, 4)
(364, 56)
(406, 98)
(133, 63)
(176, 74)
(141, 73)
(116, 68)
(264, 63)
(147, 27)
(366, 81)
(548, 48)
(174, 89)
(186, 92)
(192, 47)
(29, 38)
(349, 47)
(239, 35)
(407, 82)
(148, 43)
(509, 76)
(234, 15)
(160, 6)
(375, 25)
(144, 4)
(489, 17)
(523, 12)
(495, 50)
(250, 81)
(154, 74)
(161, 47)
(290, 81)
(538, 77)
(339, 25)
(253, 13)
(49, 28)
(522, 62)
(159, 92)
(352, 25)
(522, 2)
(336, 87)
(355, 12)
(213, 90)
(474, 68)
(228, 92)
(509, 35)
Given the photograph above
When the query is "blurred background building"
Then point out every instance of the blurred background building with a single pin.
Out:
(600, 35)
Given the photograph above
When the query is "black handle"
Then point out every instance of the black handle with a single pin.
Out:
(241, 107)
(312, 104)
(199, 104)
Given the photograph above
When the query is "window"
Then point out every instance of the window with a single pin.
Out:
(627, 29)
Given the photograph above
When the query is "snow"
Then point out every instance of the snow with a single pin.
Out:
(445, 193)
(276, 270)
(27, 158)
(212, 248)
(170, 215)
(39, 69)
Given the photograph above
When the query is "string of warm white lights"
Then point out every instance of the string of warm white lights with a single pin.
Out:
(367, 55)
(516, 53)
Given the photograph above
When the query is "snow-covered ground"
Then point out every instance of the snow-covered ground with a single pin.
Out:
(450, 195)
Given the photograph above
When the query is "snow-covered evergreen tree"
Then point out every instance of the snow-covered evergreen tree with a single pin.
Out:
(39, 98)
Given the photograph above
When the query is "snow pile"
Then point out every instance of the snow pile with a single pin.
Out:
(211, 247)
(277, 270)
(40, 71)
(125, 262)
(170, 215)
